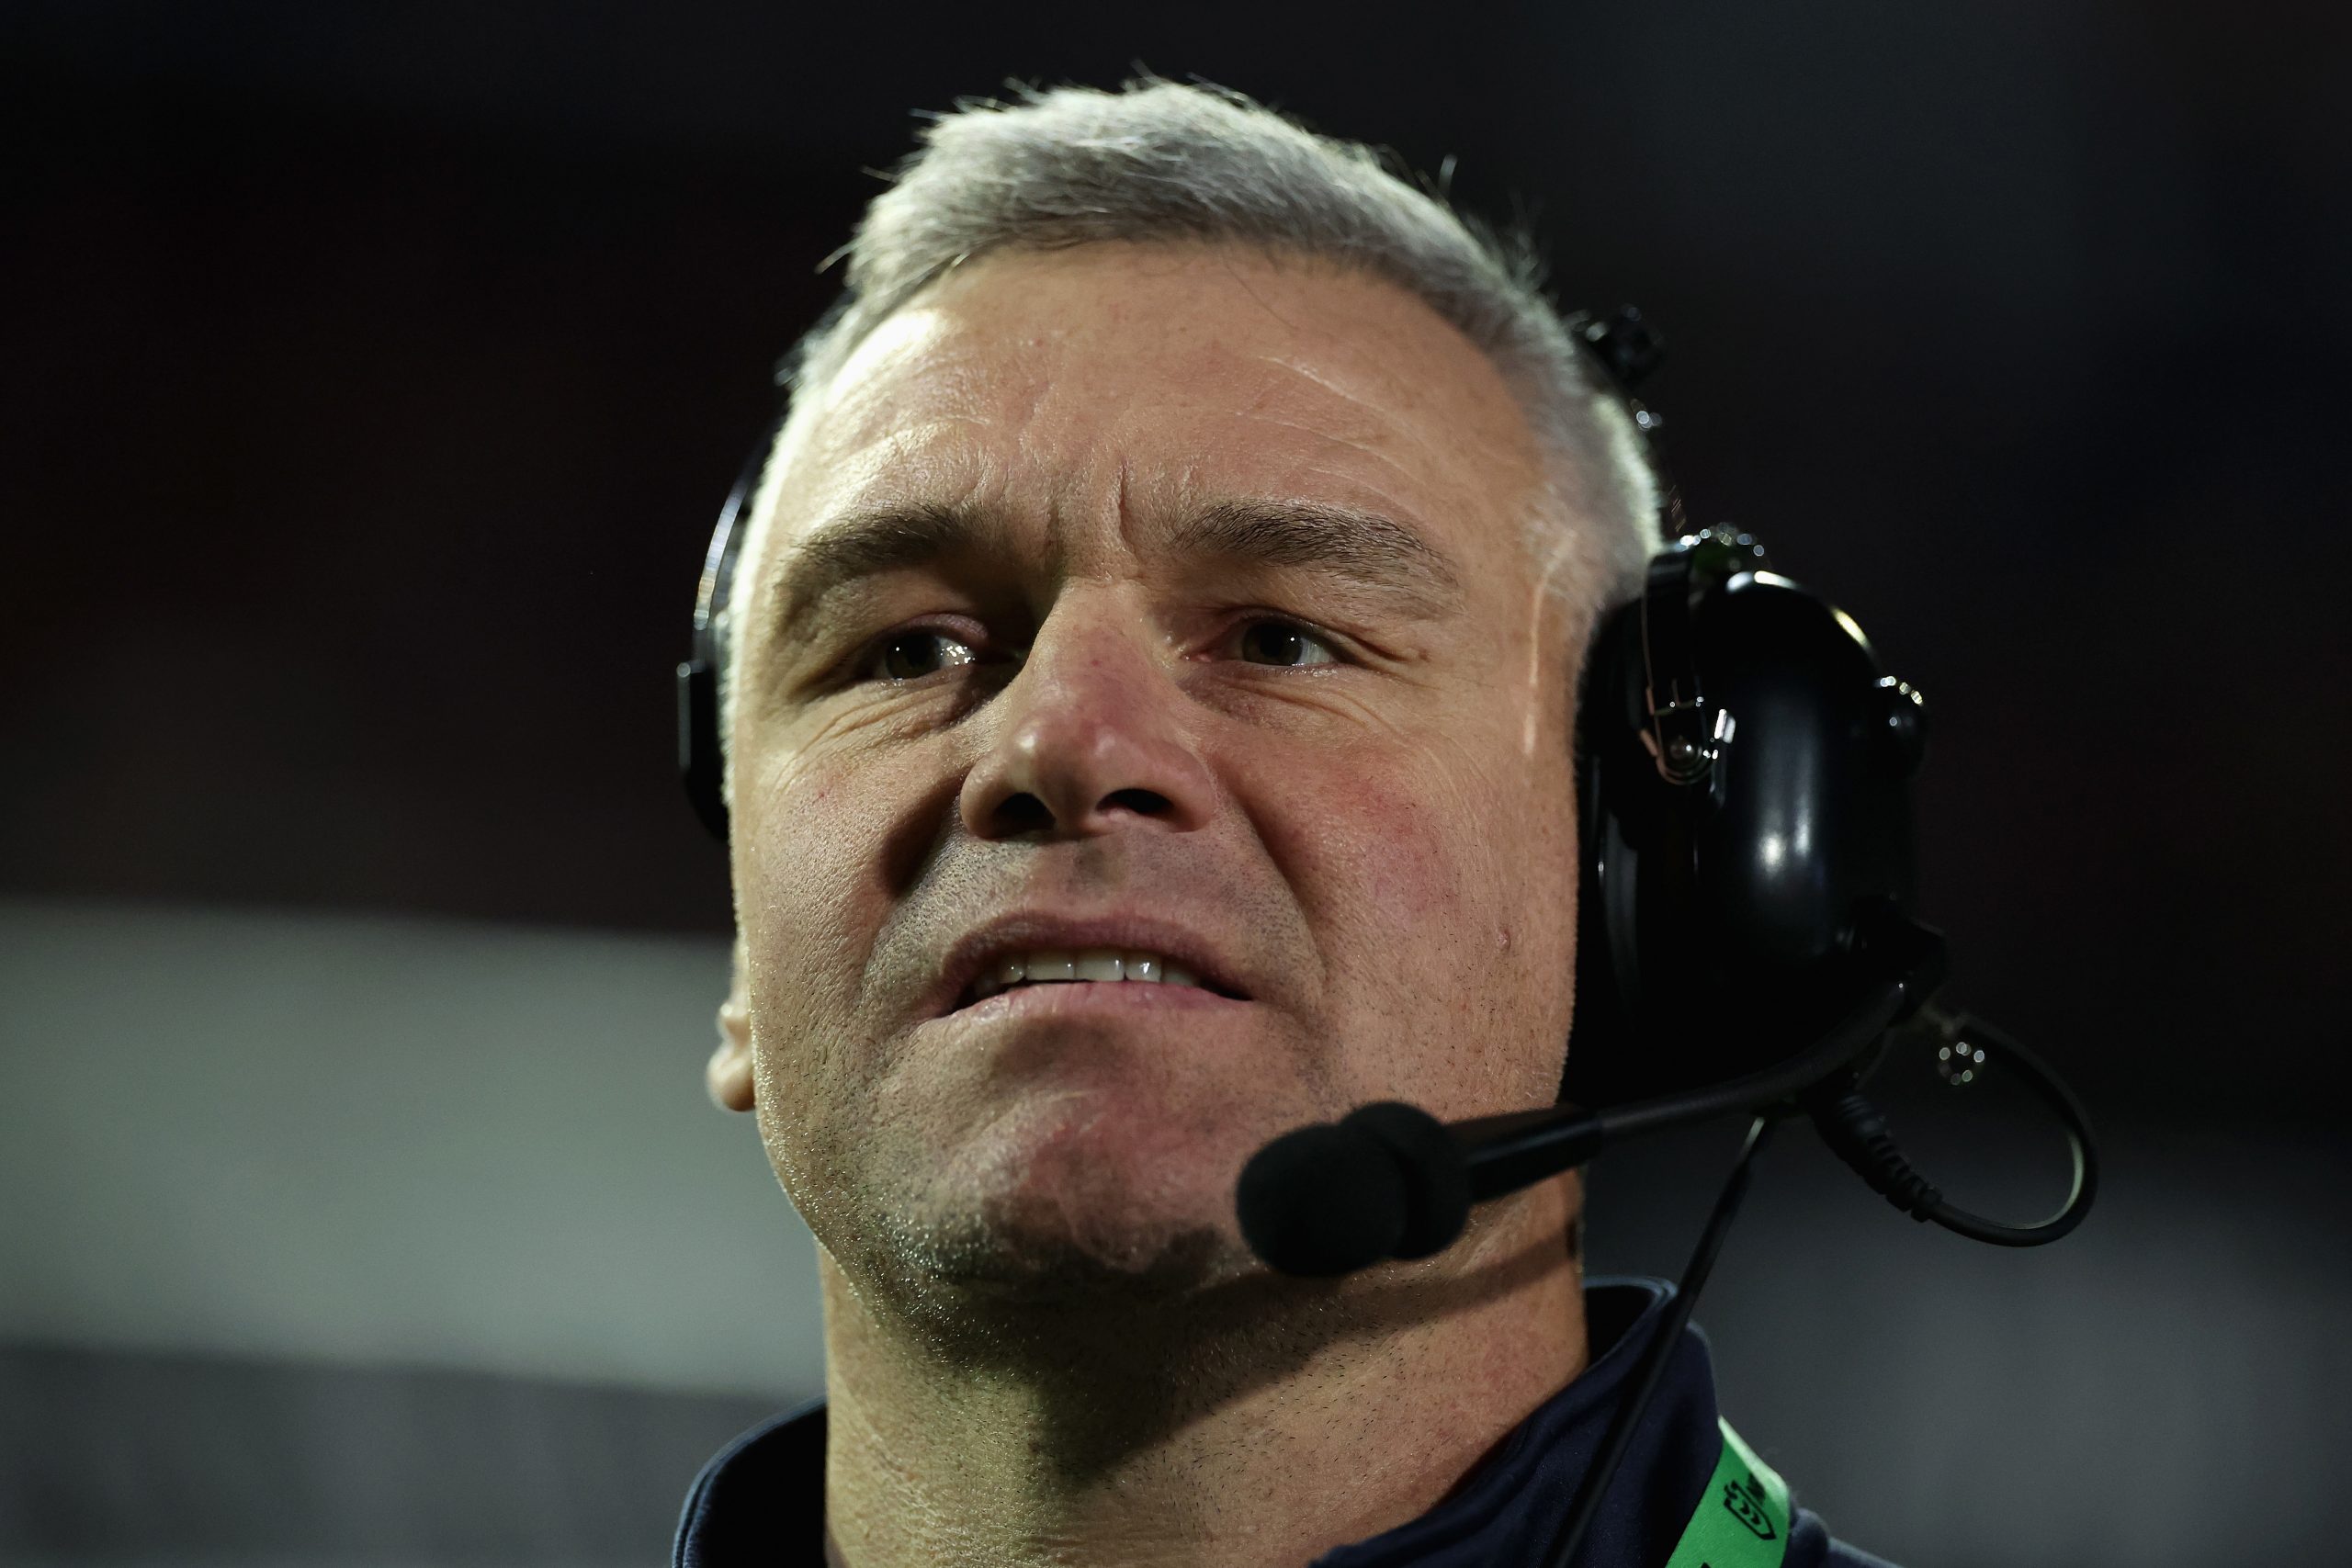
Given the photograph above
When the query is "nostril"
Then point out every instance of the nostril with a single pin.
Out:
(1142, 802)
(1020, 814)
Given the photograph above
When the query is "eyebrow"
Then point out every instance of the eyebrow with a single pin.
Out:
(863, 545)
(1376, 552)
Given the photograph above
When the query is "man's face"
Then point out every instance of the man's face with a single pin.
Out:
(1169, 604)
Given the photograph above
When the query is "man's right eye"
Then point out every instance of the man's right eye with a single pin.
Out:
(909, 656)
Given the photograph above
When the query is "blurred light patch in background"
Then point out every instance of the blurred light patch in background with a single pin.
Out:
(332, 1238)
(327, 1235)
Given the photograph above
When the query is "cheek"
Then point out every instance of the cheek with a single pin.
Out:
(1442, 896)
(1454, 851)
(1393, 853)
(807, 899)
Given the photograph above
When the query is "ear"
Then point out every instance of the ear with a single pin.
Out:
(728, 1076)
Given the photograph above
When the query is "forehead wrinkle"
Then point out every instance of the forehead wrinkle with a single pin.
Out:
(1381, 415)
(958, 411)
(1352, 444)
(1325, 382)
(856, 463)
(1374, 434)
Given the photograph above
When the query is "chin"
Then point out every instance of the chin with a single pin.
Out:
(1068, 1200)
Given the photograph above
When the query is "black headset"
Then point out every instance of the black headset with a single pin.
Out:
(1744, 938)
(1743, 765)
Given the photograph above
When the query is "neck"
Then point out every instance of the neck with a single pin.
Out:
(1229, 1425)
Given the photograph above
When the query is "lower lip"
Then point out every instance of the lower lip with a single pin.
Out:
(1067, 998)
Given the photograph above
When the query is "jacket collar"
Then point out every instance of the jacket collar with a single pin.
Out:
(762, 1498)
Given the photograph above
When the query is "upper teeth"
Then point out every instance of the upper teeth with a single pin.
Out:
(1048, 963)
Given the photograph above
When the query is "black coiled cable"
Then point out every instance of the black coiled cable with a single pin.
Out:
(1858, 1133)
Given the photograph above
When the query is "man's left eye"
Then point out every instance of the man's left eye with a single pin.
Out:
(1284, 643)
(909, 656)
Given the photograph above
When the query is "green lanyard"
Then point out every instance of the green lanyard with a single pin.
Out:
(1741, 1520)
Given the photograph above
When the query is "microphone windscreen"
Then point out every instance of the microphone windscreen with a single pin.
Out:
(1322, 1200)
(1436, 1173)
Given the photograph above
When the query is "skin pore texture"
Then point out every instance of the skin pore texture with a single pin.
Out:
(1187, 592)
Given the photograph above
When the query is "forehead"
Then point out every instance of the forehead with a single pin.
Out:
(1071, 384)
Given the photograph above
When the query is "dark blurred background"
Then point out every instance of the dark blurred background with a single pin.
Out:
(369, 377)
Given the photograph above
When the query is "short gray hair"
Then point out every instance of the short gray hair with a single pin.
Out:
(1167, 160)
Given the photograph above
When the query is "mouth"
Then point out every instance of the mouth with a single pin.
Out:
(1097, 961)
(1090, 966)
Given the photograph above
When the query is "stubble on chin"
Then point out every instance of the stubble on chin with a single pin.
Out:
(1097, 1188)
(966, 1240)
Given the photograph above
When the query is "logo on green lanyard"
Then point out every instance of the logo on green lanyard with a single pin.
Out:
(1742, 1520)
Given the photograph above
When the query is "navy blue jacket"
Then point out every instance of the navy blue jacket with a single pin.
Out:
(762, 1500)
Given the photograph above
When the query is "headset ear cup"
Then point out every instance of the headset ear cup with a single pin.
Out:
(1607, 959)
(1718, 919)
(1607, 972)
(701, 761)
(700, 766)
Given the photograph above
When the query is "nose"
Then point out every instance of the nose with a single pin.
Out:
(1088, 741)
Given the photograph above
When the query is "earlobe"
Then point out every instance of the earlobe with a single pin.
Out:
(728, 1075)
